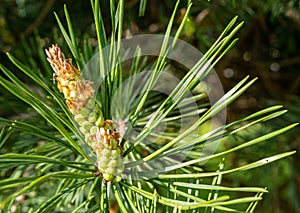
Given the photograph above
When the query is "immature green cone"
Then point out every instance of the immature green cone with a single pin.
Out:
(109, 152)
(98, 133)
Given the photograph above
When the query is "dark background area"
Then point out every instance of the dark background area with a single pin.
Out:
(269, 48)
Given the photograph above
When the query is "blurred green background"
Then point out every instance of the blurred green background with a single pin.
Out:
(269, 48)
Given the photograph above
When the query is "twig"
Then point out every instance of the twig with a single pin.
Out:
(40, 18)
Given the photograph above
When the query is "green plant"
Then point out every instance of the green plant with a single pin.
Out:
(57, 171)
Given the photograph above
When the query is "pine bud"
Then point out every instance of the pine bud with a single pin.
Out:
(99, 133)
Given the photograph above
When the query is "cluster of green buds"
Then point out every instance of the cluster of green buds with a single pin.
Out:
(99, 134)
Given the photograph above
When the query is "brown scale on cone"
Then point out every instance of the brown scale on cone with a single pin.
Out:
(77, 91)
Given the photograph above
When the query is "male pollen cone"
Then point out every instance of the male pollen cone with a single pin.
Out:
(76, 90)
